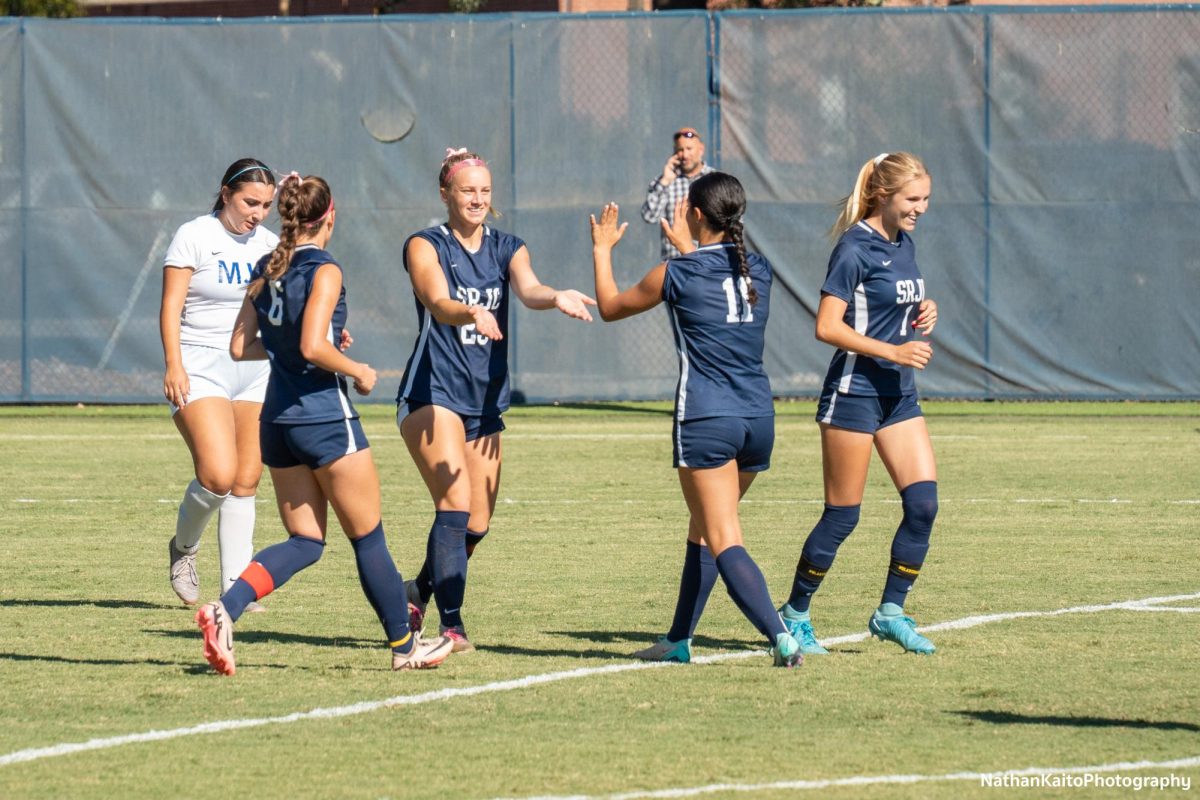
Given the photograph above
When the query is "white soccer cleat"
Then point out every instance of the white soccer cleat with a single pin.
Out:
(424, 654)
(184, 580)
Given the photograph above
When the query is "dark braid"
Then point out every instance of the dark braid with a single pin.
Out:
(303, 205)
(735, 232)
(722, 200)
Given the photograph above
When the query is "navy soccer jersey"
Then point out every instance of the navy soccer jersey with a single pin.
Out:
(299, 391)
(455, 366)
(718, 334)
(883, 289)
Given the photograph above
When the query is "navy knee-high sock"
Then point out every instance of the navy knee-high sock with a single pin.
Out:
(424, 579)
(695, 585)
(911, 541)
(383, 586)
(748, 588)
(270, 569)
(820, 548)
(472, 540)
(446, 554)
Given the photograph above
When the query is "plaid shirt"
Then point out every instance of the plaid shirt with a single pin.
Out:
(661, 201)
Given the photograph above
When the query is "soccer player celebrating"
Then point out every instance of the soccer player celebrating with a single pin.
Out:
(215, 402)
(455, 385)
(718, 296)
(310, 433)
(872, 304)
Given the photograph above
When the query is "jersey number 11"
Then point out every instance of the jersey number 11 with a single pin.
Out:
(747, 311)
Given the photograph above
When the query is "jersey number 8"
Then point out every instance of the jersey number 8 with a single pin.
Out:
(275, 314)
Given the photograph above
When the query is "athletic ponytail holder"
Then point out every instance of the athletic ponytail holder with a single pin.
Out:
(290, 176)
(451, 152)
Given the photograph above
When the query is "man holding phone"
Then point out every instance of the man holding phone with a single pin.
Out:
(684, 166)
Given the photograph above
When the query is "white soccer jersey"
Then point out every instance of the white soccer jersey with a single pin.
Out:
(223, 263)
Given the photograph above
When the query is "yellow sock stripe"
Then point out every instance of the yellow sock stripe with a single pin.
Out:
(400, 642)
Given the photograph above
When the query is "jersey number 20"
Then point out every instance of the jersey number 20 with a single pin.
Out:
(747, 311)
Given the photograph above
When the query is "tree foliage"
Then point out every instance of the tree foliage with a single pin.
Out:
(40, 8)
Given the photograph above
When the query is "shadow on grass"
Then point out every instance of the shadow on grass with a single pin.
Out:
(190, 667)
(1009, 718)
(82, 602)
(276, 637)
(550, 652)
(634, 638)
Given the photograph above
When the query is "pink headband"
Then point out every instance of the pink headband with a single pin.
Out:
(329, 210)
(466, 162)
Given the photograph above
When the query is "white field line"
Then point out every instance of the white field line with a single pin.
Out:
(573, 501)
(36, 753)
(511, 435)
(875, 780)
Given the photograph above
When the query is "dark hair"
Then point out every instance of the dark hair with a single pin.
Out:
(244, 170)
(722, 200)
(303, 205)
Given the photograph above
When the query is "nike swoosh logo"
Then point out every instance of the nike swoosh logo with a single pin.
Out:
(887, 263)
(216, 252)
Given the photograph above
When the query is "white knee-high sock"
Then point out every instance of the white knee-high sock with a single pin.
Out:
(194, 513)
(235, 536)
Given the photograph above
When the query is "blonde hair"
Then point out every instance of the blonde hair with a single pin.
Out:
(303, 205)
(879, 178)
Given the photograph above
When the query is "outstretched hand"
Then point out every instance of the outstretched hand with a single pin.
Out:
(485, 322)
(574, 304)
(677, 232)
(606, 232)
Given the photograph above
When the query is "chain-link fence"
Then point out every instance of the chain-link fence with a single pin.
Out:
(1064, 147)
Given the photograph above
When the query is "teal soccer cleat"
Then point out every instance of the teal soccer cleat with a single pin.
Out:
(786, 651)
(666, 650)
(888, 624)
(800, 627)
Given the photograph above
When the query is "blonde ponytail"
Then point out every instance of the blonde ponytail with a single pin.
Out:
(880, 177)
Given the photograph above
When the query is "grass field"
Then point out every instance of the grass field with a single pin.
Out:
(1044, 507)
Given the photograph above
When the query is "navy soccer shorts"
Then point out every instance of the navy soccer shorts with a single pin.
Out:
(714, 441)
(863, 413)
(476, 426)
(311, 445)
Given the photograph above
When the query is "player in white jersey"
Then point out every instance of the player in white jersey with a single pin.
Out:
(215, 400)
(456, 384)
(874, 310)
